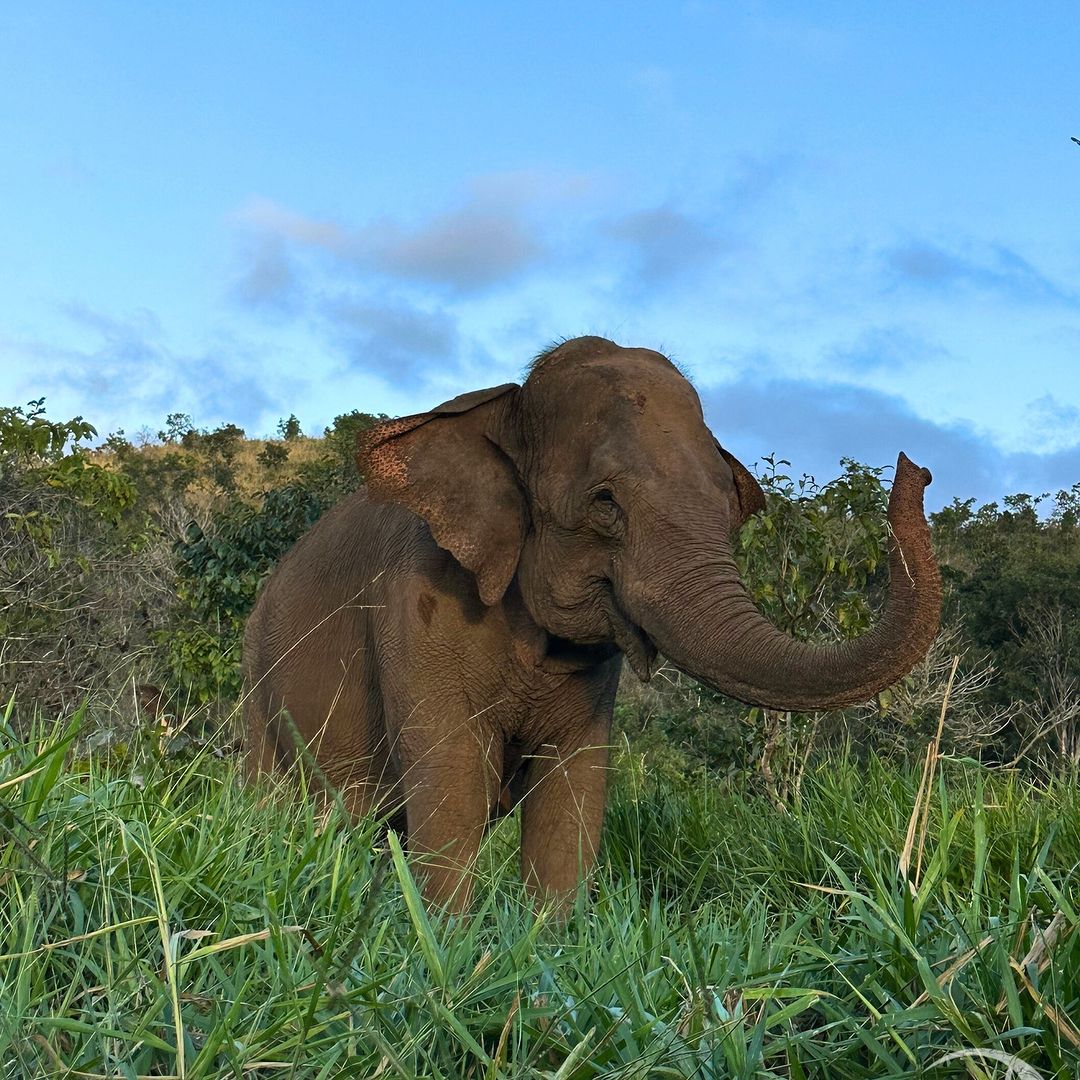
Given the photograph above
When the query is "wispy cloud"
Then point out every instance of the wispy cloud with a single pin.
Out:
(268, 278)
(467, 250)
(993, 269)
(490, 239)
(391, 339)
(893, 348)
(411, 304)
(1051, 425)
(130, 369)
(752, 178)
(663, 245)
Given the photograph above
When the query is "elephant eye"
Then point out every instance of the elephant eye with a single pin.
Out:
(604, 511)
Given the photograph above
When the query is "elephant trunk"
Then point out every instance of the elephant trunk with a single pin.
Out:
(720, 637)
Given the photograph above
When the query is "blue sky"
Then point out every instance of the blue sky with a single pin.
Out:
(856, 225)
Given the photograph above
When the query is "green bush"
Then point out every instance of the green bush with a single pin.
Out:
(1013, 583)
(218, 576)
(334, 474)
(41, 452)
(273, 456)
(1009, 570)
(289, 429)
(72, 549)
(813, 558)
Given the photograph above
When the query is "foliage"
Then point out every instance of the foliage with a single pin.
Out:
(50, 453)
(810, 557)
(217, 578)
(85, 574)
(907, 716)
(273, 456)
(1006, 569)
(177, 425)
(188, 457)
(1014, 582)
(103, 552)
(161, 480)
(333, 475)
(289, 429)
(67, 525)
(27, 436)
(163, 919)
(218, 450)
(683, 727)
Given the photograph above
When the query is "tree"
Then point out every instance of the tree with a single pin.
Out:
(289, 429)
(1010, 573)
(69, 547)
(219, 570)
(272, 456)
(177, 425)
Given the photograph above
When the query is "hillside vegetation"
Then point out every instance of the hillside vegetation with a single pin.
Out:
(135, 565)
(889, 891)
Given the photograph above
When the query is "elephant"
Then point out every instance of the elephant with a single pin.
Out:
(447, 640)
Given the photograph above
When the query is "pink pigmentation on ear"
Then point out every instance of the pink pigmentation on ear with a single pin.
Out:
(447, 468)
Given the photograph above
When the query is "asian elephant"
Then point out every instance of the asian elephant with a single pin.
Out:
(454, 632)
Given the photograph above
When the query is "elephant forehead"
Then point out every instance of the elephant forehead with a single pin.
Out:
(649, 459)
(620, 395)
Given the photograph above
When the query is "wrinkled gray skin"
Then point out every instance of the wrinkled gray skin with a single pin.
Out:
(449, 639)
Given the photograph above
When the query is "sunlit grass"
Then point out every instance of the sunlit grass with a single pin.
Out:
(158, 918)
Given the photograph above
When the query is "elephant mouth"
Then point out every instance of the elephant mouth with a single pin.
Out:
(563, 655)
(630, 638)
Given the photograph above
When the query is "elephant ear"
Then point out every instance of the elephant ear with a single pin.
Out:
(751, 497)
(447, 467)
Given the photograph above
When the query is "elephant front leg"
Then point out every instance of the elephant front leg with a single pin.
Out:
(449, 789)
(561, 818)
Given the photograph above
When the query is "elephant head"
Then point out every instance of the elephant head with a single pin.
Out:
(597, 486)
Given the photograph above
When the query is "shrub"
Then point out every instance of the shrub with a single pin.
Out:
(813, 562)
(334, 474)
(219, 572)
(73, 618)
(272, 456)
(289, 429)
(1013, 579)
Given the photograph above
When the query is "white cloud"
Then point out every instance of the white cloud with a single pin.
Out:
(391, 339)
(127, 373)
(993, 268)
(486, 242)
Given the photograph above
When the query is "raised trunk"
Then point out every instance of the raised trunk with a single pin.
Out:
(720, 637)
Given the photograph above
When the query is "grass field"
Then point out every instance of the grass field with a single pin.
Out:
(159, 919)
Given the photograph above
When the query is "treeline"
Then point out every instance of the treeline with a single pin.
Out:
(135, 564)
(126, 573)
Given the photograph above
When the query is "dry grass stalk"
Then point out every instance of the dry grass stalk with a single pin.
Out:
(920, 812)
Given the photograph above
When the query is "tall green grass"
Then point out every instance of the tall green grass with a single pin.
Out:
(159, 919)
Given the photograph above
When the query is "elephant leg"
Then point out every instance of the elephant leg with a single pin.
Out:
(449, 789)
(561, 817)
